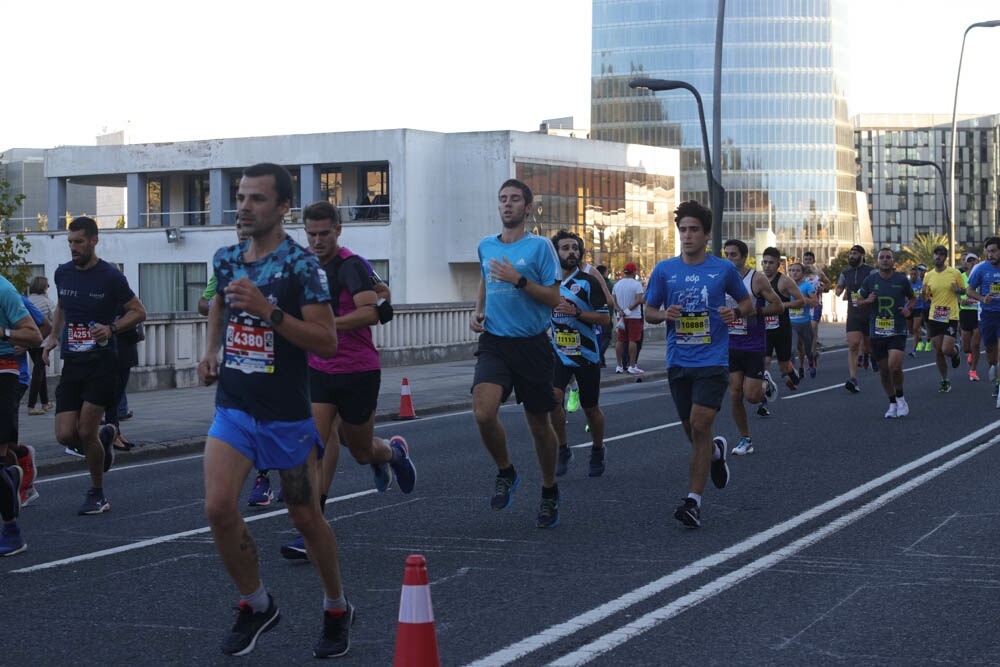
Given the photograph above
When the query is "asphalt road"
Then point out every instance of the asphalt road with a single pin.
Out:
(845, 539)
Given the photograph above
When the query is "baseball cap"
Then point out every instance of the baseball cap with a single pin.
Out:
(921, 267)
(858, 249)
(972, 255)
(631, 268)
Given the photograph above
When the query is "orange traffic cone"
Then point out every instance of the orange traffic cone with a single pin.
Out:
(416, 640)
(406, 402)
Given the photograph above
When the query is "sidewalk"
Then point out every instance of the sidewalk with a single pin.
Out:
(169, 422)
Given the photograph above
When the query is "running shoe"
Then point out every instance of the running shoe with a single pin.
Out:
(973, 376)
(852, 385)
(993, 373)
(30, 468)
(107, 437)
(249, 626)
(548, 512)
(802, 372)
(812, 371)
(689, 513)
(336, 638)
(75, 450)
(36, 411)
(790, 383)
(94, 503)
(635, 370)
(770, 388)
(503, 492)
(891, 413)
(762, 411)
(956, 359)
(383, 476)
(913, 353)
(743, 447)
(902, 407)
(261, 495)
(619, 370)
(562, 462)
(48, 406)
(402, 466)
(597, 457)
(945, 387)
(295, 550)
(573, 400)
(11, 542)
(720, 470)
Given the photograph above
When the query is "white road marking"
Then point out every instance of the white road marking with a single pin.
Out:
(601, 613)
(800, 394)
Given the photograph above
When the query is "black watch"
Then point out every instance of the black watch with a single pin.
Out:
(522, 283)
(277, 317)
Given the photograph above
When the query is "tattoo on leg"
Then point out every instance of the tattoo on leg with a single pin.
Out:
(296, 485)
(247, 545)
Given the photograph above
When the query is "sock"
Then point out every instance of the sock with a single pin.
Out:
(899, 393)
(8, 495)
(11, 528)
(509, 472)
(99, 490)
(258, 600)
(695, 497)
(336, 607)
(892, 400)
(550, 491)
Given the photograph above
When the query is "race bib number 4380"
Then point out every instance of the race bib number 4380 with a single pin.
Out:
(250, 348)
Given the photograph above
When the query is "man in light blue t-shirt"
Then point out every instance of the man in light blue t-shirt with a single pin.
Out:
(692, 291)
(518, 290)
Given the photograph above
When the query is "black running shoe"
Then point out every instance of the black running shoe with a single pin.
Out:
(956, 359)
(762, 411)
(562, 462)
(107, 437)
(720, 470)
(336, 638)
(548, 513)
(688, 513)
(597, 462)
(503, 492)
(249, 626)
(852, 386)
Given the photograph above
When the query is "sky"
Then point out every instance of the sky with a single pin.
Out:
(216, 68)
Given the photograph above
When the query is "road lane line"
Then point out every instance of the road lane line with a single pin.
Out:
(799, 394)
(167, 538)
(599, 614)
(627, 632)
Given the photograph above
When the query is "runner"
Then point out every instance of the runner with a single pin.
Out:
(582, 308)
(517, 292)
(274, 305)
(800, 320)
(746, 343)
(890, 297)
(344, 388)
(916, 318)
(858, 342)
(941, 289)
(968, 321)
(821, 284)
(984, 287)
(779, 329)
(91, 293)
(691, 290)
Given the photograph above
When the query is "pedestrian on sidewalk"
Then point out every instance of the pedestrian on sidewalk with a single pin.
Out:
(39, 388)
(628, 298)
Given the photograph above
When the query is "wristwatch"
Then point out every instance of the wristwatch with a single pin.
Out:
(276, 317)
(522, 283)
(6, 334)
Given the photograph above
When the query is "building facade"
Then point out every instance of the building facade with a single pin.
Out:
(907, 200)
(415, 203)
(787, 151)
(24, 170)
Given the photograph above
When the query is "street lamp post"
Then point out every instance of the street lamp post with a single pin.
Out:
(954, 129)
(949, 230)
(715, 191)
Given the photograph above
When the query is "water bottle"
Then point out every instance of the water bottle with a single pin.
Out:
(102, 343)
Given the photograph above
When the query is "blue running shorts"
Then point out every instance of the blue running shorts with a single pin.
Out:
(270, 445)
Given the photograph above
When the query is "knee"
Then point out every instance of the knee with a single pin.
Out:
(221, 513)
(594, 414)
(485, 415)
(306, 518)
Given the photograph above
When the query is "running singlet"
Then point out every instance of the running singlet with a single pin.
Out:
(747, 333)
(512, 312)
(94, 295)
(985, 279)
(804, 313)
(891, 296)
(943, 305)
(781, 320)
(699, 337)
(356, 351)
(261, 373)
(574, 341)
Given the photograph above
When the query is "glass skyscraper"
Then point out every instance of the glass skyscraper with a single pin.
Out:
(788, 160)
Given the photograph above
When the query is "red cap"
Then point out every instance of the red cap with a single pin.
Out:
(631, 268)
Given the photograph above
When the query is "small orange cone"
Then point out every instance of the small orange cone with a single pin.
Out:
(406, 402)
(416, 640)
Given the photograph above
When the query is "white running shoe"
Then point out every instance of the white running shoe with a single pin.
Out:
(993, 373)
(618, 370)
(635, 370)
(892, 412)
(902, 407)
(770, 388)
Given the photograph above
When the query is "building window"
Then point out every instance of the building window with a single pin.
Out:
(171, 288)
(381, 267)
(374, 195)
(198, 200)
(331, 184)
(154, 202)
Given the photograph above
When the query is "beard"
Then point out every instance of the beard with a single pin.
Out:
(854, 261)
(570, 263)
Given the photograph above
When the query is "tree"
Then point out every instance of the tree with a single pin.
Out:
(13, 247)
(836, 265)
(920, 250)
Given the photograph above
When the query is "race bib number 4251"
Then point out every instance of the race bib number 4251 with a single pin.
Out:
(250, 348)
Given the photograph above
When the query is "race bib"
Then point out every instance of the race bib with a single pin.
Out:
(885, 326)
(941, 313)
(568, 342)
(738, 327)
(692, 328)
(79, 338)
(771, 322)
(250, 348)
(994, 288)
(797, 313)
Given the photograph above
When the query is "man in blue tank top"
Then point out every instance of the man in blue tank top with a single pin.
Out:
(689, 294)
